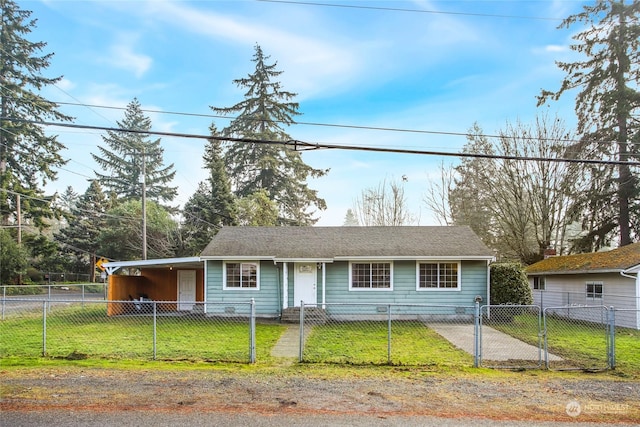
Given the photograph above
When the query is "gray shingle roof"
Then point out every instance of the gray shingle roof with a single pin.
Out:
(332, 242)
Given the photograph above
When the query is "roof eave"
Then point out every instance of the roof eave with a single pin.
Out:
(566, 272)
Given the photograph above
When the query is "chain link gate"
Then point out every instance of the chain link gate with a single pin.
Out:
(510, 336)
(592, 326)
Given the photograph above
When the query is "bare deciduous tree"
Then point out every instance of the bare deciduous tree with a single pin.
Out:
(384, 205)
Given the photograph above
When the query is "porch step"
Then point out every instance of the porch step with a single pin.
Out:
(315, 315)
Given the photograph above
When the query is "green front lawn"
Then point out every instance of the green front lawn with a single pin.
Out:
(361, 343)
(78, 333)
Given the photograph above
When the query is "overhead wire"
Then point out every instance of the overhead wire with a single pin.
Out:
(306, 146)
(349, 126)
(399, 9)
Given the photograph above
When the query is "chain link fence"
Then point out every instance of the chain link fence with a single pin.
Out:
(554, 299)
(566, 337)
(387, 334)
(72, 329)
(511, 336)
(66, 291)
(582, 337)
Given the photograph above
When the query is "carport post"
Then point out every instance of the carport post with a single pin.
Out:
(476, 336)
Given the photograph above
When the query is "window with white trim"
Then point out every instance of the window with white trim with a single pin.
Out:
(539, 283)
(594, 290)
(438, 275)
(371, 275)
(241, 275)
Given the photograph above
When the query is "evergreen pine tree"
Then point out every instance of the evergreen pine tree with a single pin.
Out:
(126, 156)
(279, 171)
(608, 102)
(86, 220)
(28, 157)
(212, 205)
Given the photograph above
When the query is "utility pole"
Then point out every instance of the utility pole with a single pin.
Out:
(19, 215)
(144, 206)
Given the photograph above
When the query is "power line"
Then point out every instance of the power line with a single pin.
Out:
(398, 9)
(339, 125)
(307, 146)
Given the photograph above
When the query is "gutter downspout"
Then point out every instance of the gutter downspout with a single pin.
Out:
(637, 279)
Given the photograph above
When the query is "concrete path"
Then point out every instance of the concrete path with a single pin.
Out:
(496, 345)
(288, 346)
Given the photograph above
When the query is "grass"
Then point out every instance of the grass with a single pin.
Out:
(580, 344)
(412, 343)
(88, 335)
(80, 333)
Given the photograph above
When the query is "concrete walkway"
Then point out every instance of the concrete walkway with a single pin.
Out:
(288, 346)
(496, 345)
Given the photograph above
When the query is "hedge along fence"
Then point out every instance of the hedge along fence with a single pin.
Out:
(509, 285)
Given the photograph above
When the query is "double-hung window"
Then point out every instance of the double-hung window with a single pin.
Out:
(539, 283)
(241, 275)
(594, 290)
(371, 275)
(438, 275)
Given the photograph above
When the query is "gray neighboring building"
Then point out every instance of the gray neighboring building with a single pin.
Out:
(608, 278)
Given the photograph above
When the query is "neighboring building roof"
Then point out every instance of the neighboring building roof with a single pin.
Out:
(616, 260)
(330, 243)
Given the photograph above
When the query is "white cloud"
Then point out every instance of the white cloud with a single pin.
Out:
(555, 48)
(65, 84)
(312, 64)
(121, 55)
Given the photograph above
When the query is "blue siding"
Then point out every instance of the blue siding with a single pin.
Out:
(267, 298)
(473, 282)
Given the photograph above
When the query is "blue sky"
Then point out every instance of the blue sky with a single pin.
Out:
(435, 66)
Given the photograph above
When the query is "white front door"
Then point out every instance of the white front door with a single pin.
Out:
(186, 289)
(304, 283)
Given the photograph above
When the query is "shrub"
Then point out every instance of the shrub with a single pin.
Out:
(509, 285)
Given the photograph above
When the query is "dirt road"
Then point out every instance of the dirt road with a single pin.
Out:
(390, 392)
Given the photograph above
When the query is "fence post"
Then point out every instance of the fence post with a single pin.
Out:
(44, 328)
(544, 336)
(82, 286)
(612, 338)
(301, 349)
(49, 295)
(476, 336)
(252, 332)
(155, 330)
(4, 298)
(389, 334)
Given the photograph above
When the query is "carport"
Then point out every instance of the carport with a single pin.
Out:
(178, 280)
